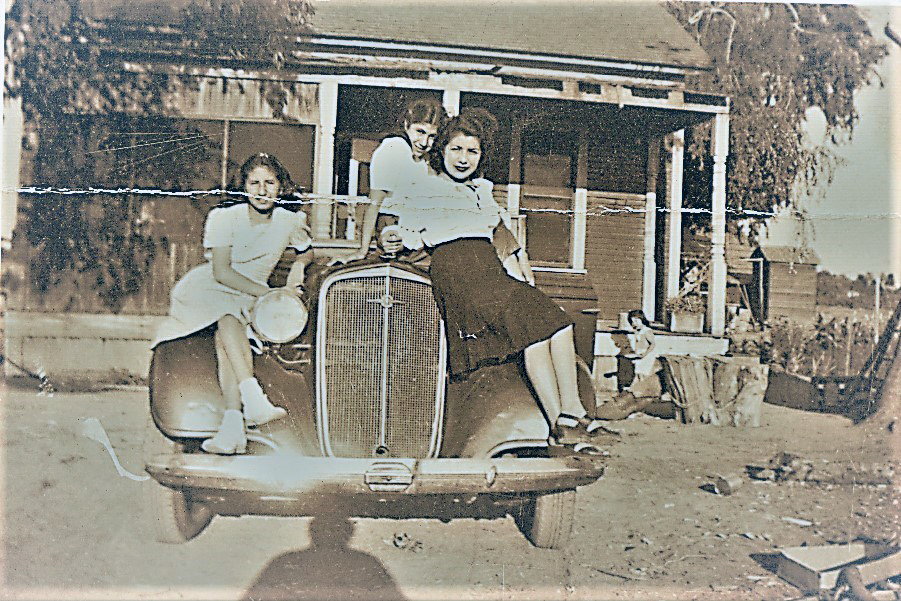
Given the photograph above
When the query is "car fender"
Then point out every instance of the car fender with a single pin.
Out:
(185, 398)
(491, 410)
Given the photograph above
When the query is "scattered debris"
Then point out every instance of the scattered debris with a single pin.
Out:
(726, 485)
(402, 541)
(841, 568)
(786, 467)
(797, 521)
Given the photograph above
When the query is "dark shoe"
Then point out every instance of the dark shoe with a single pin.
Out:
(586, 431)
(622, 406)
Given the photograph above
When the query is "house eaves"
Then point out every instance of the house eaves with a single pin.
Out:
(576, 35)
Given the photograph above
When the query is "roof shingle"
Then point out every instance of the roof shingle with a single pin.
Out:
(640, 32)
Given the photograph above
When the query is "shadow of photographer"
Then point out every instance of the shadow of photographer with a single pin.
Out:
(327, 569)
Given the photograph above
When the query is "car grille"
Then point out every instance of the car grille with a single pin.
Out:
(380, 362)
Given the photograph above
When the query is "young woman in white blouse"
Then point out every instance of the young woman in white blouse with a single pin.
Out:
(398, 158)
(243, 244)
(491, 314)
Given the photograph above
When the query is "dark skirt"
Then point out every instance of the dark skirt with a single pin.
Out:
(490, 316)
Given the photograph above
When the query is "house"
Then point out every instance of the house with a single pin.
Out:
(592, 110)
(784, 282)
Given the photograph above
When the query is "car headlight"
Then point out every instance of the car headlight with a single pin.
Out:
(279, 316)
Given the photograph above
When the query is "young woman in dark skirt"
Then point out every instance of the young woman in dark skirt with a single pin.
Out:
(492, 314)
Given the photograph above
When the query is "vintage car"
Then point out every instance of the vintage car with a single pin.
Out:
(374, 426)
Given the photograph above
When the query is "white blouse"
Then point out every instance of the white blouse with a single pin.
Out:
(393, 164)
(433, 209)
(255, 248)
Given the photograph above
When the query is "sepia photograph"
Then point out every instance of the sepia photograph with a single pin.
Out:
(425, 300)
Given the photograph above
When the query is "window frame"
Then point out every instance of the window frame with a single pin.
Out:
(579, 204)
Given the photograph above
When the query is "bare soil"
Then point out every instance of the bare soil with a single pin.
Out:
(650, 529)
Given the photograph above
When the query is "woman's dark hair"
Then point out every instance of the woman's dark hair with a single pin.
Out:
(640, 315)
(425, 110)
(261, 159)
(474, 122)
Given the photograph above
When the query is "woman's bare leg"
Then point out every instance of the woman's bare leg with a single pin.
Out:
(563, 356)
(234, 341)
(257, 408)
(228, 382)
(540, 368)
(232, 363)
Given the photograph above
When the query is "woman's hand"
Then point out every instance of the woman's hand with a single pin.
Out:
(525, 267)
(225, 274)
(391, 240)
(354, 256)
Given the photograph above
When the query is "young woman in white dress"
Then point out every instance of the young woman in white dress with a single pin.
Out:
(242, 244)
(492, 314)
(396, 159)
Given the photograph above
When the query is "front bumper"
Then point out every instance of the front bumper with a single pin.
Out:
(289, 476)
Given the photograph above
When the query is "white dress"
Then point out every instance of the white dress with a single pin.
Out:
(198, 300)
(644, 343)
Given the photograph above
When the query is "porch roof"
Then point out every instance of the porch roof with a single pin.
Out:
(641, 32)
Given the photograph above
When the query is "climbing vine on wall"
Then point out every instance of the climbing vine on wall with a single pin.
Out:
(92, 121)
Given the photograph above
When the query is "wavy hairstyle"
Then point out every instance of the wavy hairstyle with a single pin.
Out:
(640, 315)
(262, 159)
(425, 110)
(235, 194)
(475, 122)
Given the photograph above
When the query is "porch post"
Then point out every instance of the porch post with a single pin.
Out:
(716, 299)
(13, 129)
(648, 300)
(514, 190)
(580, 204)
(451, 101)
(674, 258)
(325, 159)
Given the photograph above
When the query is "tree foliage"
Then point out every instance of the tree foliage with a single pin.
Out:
(777, 61)
(86, 105)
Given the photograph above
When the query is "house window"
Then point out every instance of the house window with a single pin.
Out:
(553, 209)
(292, 144)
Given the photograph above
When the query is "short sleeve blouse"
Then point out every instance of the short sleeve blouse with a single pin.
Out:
(255, 248)
(391, 167)
(434, 209)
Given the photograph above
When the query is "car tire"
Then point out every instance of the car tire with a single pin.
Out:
(547, 520)
(175, 517)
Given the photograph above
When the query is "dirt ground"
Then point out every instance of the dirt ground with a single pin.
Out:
(649, 529)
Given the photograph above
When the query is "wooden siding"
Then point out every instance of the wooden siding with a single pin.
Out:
(617, 165)
(614, 251)
(74, 292)
(791, 290)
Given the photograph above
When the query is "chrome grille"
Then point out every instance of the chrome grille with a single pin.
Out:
(380, 359)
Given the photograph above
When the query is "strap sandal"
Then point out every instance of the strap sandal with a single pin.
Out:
(588, 448)
(586, 430)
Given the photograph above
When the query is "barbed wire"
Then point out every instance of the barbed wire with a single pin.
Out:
(597, 210)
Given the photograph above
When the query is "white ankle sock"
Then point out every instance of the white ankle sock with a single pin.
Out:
(232, 415)
(249, 386)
